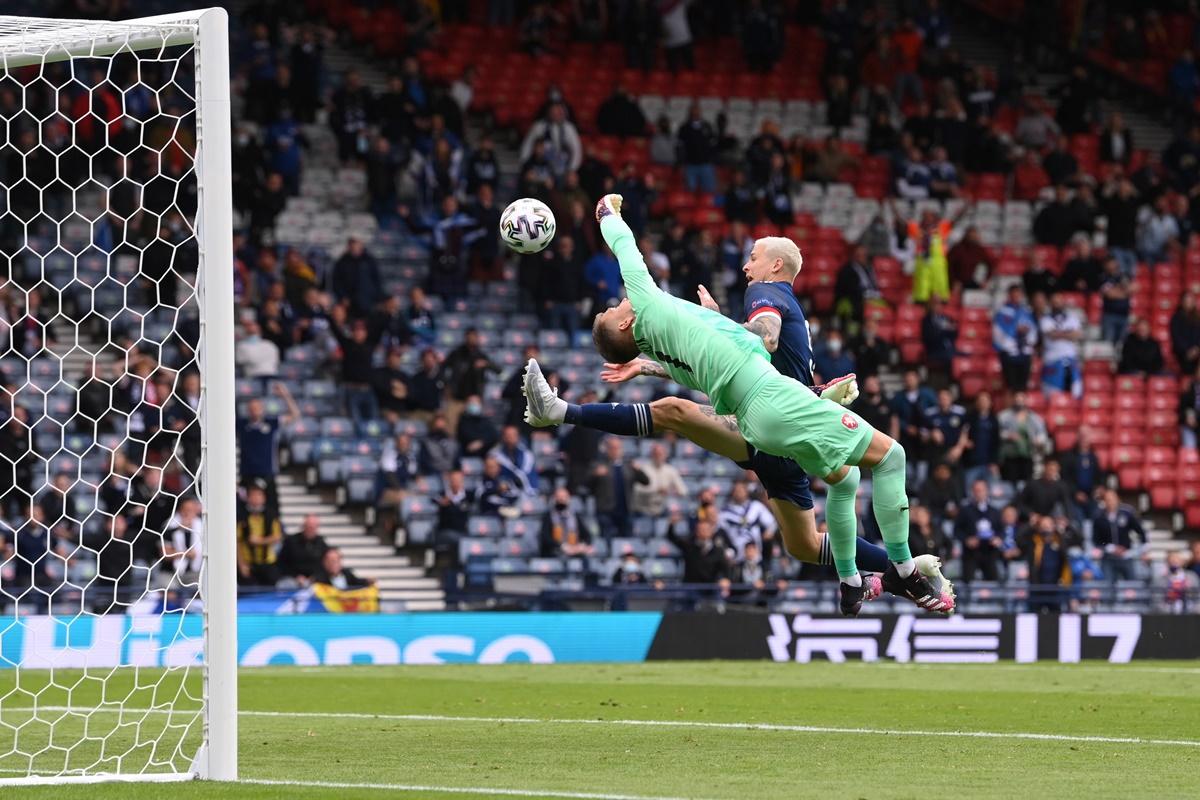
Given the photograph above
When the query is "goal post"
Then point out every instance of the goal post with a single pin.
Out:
(118, 612)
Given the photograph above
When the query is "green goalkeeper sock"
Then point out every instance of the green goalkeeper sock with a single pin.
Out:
(842, 519)
(890, 502)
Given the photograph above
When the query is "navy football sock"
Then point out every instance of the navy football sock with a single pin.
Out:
(623, 419)
(869, 557)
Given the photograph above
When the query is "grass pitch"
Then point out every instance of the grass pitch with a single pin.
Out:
(672, 730)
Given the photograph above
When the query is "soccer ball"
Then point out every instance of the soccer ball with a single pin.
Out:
(527, 225)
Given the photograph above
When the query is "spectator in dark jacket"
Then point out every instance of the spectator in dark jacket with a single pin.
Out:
(1043, 547)
(698, 144)
(476, 433)
(926, 538)
(971, 263)
(1119, 202)
(1185, 333)
(1047, 495)
(390, 384)
(856, 285)
(612, 480)
(301, 554)
(454, 507)
(426, 387)
(465, 372)
(333, 573)
(356, 279)
(620, 115)
(1057, 220)
(497, 495)
(1189, 413)
(939, 333)
(564, 532)
(981, 460)
(871, 353)
(1141, 353)
(1118, 536)
(358, 349)
(1083, 271)
(940, 493)
(704, 557)
(1082, 471)
(978, 528)
(560, 286)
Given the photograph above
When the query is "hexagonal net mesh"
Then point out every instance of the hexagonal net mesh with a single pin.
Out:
(101, 398)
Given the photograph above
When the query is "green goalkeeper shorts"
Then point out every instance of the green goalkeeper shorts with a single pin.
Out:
(783, 417)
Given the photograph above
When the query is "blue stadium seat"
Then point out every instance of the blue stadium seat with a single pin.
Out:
(519, 338)
(377, 429)
(552, 339)
(666, 569)
(485, 525)
(600, 546)
(661, 548)
(532, 506)
(643, 527)
(337, 427)
(320, 388)
(527, 527)
(359, 478)
(547, 566)
(420, 531)
(416, 506)
(622, 547)
(415, 428)
(508, 565)
(469, 549)
(722, 468)
(517, 548)
(472, 467)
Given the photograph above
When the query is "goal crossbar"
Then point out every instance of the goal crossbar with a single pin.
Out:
(38, 40)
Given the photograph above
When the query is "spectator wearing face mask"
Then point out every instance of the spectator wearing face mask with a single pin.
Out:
(629, 571)
(831, 358)
(564, 532)
(476, 433)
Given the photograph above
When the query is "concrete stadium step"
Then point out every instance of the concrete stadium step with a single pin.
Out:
(408, 595)
(408, 584)
(398, 579)
(398, 572)
(426, 605)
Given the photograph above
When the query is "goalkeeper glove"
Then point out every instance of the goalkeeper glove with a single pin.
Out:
(843, 390)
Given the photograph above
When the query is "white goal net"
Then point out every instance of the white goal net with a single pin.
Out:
(117, 599)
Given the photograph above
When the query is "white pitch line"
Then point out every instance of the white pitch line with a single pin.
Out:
(487, 791)
(655, 723)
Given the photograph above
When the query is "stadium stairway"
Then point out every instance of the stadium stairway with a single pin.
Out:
(399, 581)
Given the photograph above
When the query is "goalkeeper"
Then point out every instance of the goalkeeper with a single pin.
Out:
(708, 352)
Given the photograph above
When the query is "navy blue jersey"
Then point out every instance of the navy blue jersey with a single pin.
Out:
(793, 357)
(782, 478)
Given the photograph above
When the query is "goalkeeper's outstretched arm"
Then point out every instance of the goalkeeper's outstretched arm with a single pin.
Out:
(638, 284)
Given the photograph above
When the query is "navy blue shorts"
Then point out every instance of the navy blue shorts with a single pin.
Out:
(782, 478)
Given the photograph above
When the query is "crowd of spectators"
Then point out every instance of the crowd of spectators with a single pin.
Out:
(990, 491)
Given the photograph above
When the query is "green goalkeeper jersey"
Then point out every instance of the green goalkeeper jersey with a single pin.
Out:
(701, 349)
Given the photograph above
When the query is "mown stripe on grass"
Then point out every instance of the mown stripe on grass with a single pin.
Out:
(486, 791)
(656, 723)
